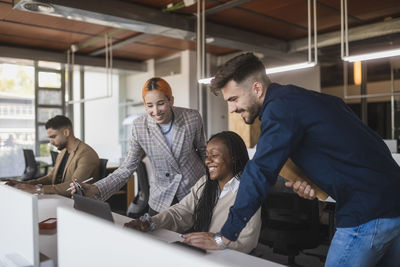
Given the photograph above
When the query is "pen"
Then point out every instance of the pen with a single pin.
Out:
(87, 180)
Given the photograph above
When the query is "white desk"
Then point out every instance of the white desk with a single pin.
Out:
(48, 243)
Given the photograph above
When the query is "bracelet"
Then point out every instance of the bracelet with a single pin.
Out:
(39, 189)
(218, 240)
(147, 218)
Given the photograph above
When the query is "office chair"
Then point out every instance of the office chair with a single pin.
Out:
(103, 168)
(54, 155)
(290, 224)
(139, 205)
(32, 168)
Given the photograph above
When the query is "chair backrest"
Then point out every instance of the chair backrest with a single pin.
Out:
(140, 204)
(54, 155)
(102, 168)
(31, 167)
(289, 223)
(143, 180)
(283, 207)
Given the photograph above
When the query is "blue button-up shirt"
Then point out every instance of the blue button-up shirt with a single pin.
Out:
(333, 147)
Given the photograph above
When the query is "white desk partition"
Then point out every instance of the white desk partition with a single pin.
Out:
(85, 240)
(19, 234)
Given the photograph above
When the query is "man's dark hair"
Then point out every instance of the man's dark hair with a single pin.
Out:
(238, 69)
(58, 122)
(204, 209)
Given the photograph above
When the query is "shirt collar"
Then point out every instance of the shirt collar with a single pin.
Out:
(231, 186)
(268, 97)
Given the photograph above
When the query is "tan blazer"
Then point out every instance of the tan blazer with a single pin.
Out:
(176, 170)
(83, 163)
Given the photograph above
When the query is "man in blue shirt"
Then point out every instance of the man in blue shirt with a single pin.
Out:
(336, 150)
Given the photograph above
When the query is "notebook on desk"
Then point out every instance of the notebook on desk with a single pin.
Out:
(92, 206)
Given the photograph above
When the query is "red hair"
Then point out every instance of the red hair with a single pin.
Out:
(159, 84)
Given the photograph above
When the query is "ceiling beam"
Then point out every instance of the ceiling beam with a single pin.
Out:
(134, 39)
(355, 34)
(148, 20)
(225, 6)
(45, 55)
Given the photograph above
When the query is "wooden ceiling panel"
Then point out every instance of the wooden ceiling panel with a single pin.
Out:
(367, 11)
(238, 19)
(32, 42)
(142, 48)
(289, 11)
(131, 55)
(5, 9)
(217, 50)
(56, 22)
(42, 33)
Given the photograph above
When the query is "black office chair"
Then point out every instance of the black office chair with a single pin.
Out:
(103, 168)
(139, 205)
(290, 224)
(32, 168)
(54, 155)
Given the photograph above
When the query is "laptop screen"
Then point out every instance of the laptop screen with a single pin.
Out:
(93, 206)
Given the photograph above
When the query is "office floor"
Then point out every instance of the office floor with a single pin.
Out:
(301, 260)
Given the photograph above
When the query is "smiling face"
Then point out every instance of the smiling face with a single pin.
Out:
(219, 160)
(242, 100)
(158, 106)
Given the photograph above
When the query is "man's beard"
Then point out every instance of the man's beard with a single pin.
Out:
(62, 146)
(253, 110)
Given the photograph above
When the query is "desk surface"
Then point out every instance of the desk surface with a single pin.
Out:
(48, 243)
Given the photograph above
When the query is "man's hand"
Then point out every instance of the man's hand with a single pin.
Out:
(30, 188)
(303, 189)
(90, 190)
(138, 225)
(203, 240)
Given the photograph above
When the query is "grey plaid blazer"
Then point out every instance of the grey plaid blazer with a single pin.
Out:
(176, 171)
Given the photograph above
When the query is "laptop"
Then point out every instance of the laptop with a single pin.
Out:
(92, 206)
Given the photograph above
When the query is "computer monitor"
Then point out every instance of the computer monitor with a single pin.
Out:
(19, 233)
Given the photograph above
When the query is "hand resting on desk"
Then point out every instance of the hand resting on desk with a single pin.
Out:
(138, 225)
(203, 240)
(30, 188)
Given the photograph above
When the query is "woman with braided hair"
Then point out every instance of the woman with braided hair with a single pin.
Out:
(204, 210)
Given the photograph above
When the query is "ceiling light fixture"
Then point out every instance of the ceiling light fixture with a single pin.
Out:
(344, 41)
(273, 70)
(37, 7)
(371, 56)
(297, 66)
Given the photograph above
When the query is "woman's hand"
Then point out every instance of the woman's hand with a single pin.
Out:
(203, 240)
(138, 225)
(90, 190)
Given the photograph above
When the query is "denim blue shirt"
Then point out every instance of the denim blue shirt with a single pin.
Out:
(333, 147)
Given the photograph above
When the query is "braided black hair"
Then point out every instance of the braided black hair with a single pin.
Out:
(204, 209)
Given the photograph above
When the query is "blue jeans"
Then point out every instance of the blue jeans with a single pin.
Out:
(375, 243)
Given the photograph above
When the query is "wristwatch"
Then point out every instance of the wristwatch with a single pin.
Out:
(218, 240)
(39, 189)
